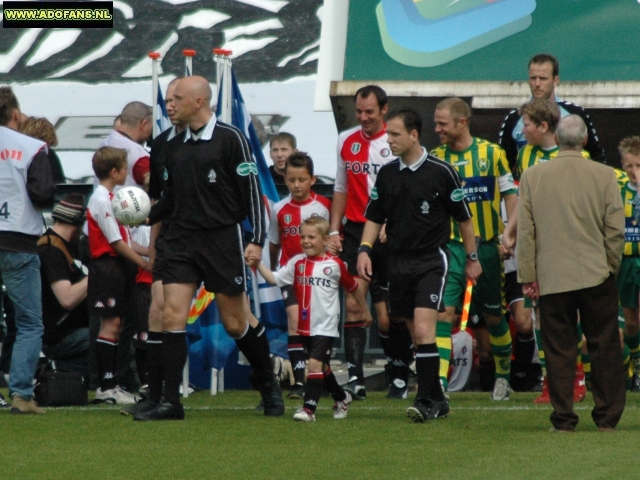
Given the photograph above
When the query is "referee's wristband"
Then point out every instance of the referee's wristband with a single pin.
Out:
(334, 232)
(364, 247)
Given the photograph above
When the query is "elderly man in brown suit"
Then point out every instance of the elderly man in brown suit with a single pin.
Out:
(570, 241)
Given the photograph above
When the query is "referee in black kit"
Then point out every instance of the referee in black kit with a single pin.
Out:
(416, 195)
(211, 187)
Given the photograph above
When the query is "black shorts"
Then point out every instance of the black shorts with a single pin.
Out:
(512, 289)
(417, 281)
(215, 257)
(156, 271)
(110, 288)
(289, 296)
(318, 347)
(352, 232)
(142, 302)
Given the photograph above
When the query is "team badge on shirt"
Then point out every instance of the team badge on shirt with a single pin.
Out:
(212, 176)
(425, 207)
(457, 195)
(327, 271)
(385, 152)
(287, 219)
(355, 148)
(482, 164)
(301, 268)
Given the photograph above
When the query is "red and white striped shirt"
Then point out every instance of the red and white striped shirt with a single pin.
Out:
(287, 216)
(316, 281)
(359, 160)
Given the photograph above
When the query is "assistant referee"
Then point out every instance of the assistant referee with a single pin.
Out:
(417, 195)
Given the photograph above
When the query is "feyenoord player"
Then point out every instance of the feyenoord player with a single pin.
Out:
(487, 179)
(417, 196)
(362, 151)
(316, 276)
(284, 241)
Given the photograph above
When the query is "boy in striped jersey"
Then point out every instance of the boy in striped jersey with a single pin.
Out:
(316, 276)
(284, 242)
(540, 118)
(629, 275)
(486, 179)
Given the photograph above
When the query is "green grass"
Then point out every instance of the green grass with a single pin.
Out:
(222, 437)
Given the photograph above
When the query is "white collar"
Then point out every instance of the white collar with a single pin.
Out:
(207, 133)
(413, 167)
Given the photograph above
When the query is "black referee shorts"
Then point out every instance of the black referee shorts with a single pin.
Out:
(352, 232)
(215, 257)
(417, 281)
(156, 271)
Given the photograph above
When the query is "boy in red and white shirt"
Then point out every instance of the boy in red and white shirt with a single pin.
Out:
(284, 240)
(109, 281)
(316, 276)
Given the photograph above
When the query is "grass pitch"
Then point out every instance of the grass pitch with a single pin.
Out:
(222, 437)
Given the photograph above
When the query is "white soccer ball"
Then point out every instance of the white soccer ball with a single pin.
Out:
(131, 205)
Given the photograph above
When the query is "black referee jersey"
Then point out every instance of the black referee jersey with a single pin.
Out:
(417, 203)
(212, 182)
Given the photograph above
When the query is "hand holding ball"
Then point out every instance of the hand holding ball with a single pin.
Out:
(131, 205)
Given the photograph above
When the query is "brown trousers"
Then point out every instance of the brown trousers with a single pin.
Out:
(598, 310)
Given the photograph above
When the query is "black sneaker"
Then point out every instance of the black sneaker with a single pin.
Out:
(142, 406)
(272, 398)
(296, 392)
(423, 410)
(438, 409)
(399, 390)
(418, 412)
(163, 411)
(357, 391)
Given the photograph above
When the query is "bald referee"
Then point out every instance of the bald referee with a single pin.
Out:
(418, 194)
(211, 187)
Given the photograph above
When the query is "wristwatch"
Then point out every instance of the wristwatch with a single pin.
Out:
(473, 256)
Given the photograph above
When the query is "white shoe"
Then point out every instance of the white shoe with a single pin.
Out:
(304, 415)
(501, 390)
(340, 408)
(116, 395)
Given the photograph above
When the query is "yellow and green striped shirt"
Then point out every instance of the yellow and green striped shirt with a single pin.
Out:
(531, 155)
(631, 227)
(484, 171)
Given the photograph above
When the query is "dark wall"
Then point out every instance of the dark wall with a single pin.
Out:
(612, 125)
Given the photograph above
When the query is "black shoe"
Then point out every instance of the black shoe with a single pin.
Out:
(357, 391)
(260, 406)
(163, 411)
(438, 409)
(3, 402)
(296, 392)
(423, 410)
(272, 398)
(142, 406)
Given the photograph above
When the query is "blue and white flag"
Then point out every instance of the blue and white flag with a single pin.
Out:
(162, 117)
(272, 311)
